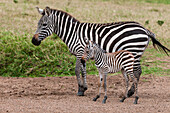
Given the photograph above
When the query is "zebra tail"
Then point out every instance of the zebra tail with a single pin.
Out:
(157, 44)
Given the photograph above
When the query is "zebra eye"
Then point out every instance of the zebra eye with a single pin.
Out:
(44, 24)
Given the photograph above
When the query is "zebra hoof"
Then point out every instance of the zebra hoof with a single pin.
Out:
(130, 93)
(136, 100)
(80, 93)
(94, 99)
(104, 100)
(85, 88)
(122, 100)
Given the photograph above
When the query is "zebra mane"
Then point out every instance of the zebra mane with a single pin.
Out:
(100, 24)
(121, 22)
(74, 19)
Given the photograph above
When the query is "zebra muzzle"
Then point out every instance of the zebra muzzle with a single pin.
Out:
(35, 40)
(83, 58)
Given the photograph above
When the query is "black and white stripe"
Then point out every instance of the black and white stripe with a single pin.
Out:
(112, 37)
(109, 62)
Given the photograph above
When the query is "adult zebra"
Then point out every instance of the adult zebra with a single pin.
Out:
(111, 37)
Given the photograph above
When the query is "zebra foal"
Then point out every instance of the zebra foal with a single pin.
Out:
(110, 63)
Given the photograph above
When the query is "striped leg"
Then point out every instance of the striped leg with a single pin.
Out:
(136, 92)
(127, 85)
(105, 88)
(135, 83)
(83, 71)
(99, 85)
(137, 73)
(77, 72)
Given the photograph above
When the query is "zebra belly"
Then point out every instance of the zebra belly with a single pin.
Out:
(113, 69)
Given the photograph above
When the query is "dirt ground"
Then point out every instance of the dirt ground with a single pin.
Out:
(58, 95)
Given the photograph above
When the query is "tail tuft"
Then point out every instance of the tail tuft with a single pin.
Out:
(157, 44)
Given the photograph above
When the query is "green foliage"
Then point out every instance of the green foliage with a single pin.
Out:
(20, 58)
(15, 1)
(160, 22)
(154, 10)
(146, 22)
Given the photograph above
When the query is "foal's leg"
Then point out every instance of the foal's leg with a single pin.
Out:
(105, 88)
(99, 85)
(127, 85)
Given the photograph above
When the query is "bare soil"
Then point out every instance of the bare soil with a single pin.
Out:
(58, 94)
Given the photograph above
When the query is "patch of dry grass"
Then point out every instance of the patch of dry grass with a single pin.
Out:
(22, 17)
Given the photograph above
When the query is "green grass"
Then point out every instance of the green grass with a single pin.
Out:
(158, 1)
(153, 63)
(157, 71)
(20, 58)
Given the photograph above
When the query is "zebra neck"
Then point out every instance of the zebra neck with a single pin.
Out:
(65, 26)
(99, 56)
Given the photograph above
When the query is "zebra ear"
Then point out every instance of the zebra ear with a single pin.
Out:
(47, 11)
(41, 11)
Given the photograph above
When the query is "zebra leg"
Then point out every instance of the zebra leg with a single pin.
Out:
(127, 85)
(99, 86)
(136, 91)
(105, 89)
(80, 85)
(135, 83)
(137, 73)
(83, 71)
